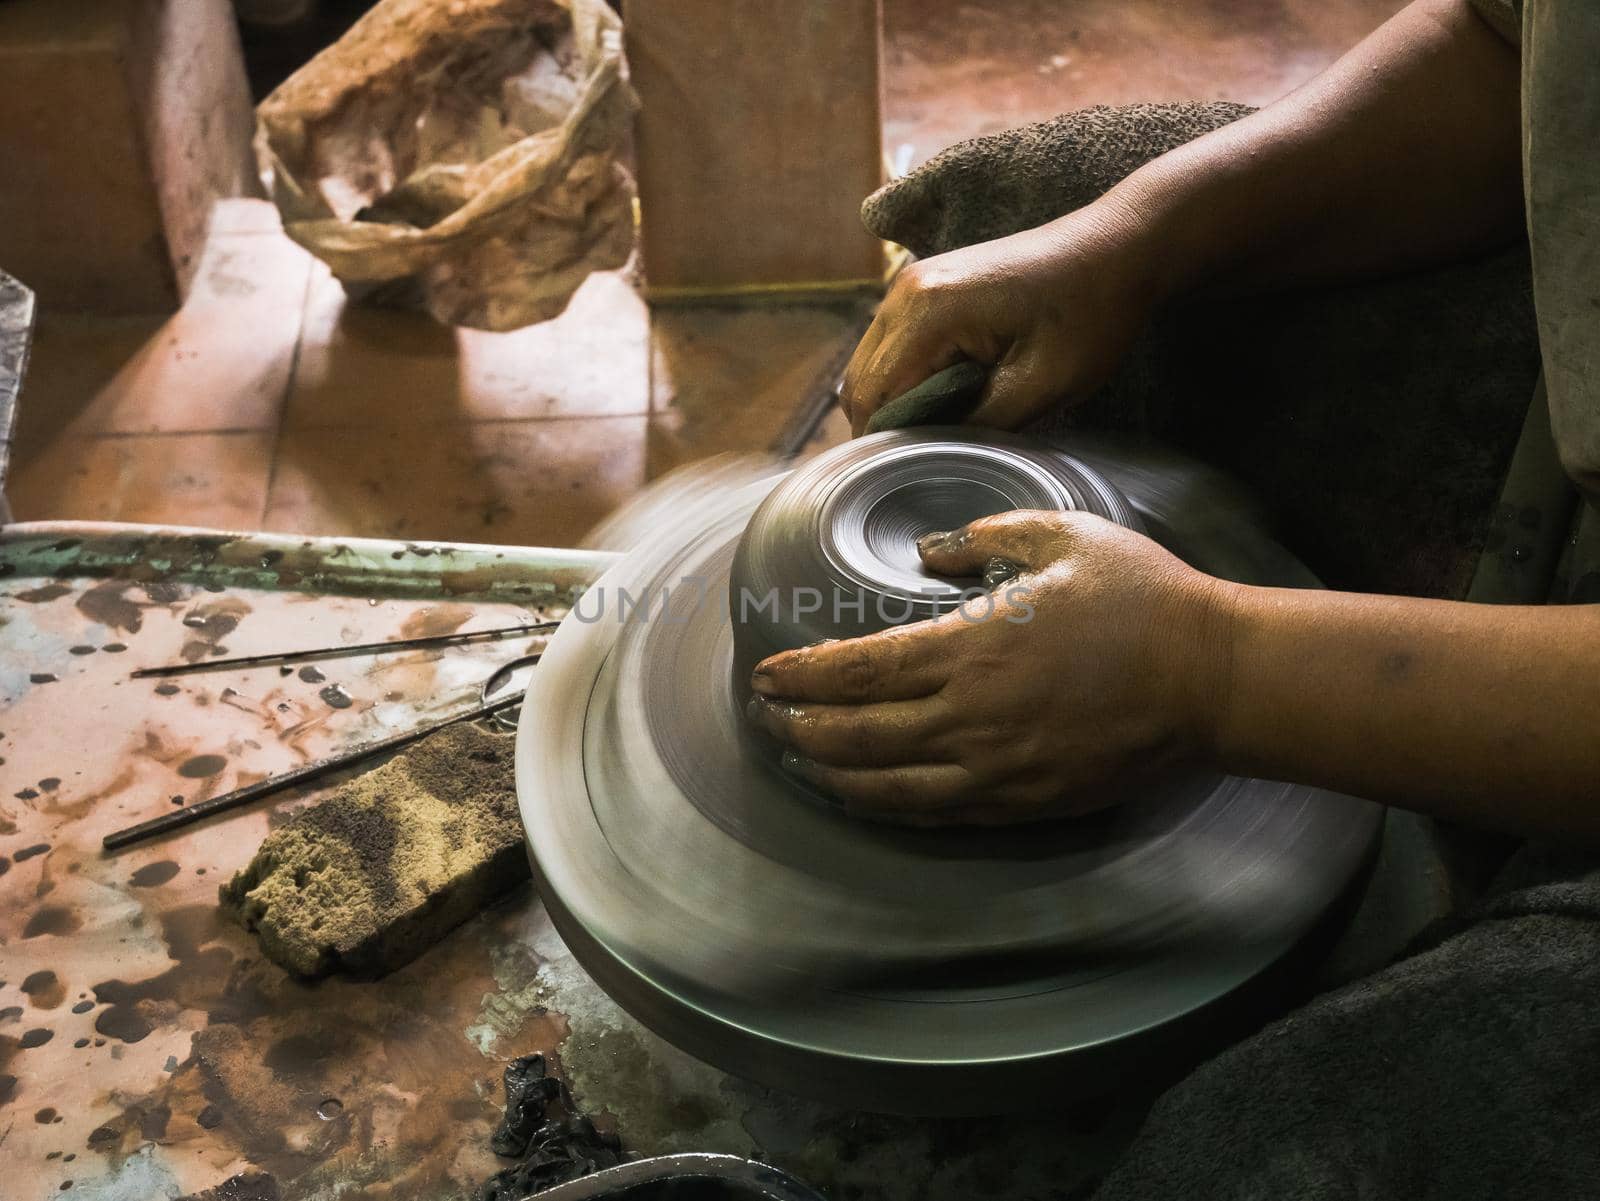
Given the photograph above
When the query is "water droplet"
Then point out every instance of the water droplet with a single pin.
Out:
(330, 1108)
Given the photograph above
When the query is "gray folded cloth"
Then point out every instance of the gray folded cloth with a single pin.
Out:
(1006, 182)
(1466, 1070)
(1375, 422)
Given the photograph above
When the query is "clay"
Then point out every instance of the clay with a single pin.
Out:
(529, 1091)
(384, 867)
(247, 1186)
(552, 1147)
(335, 697)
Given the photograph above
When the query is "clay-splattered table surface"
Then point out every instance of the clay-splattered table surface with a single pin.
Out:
(146, 1048)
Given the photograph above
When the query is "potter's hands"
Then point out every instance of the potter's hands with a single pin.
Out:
(1051, 310)
(1106, 653)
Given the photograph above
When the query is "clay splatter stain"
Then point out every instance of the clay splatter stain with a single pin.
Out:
(166, 690)
(212, 623)
(114, 648)
(45, 1116)
(153, 874)
(163, 592)
(80, 650)
(36, 1037)
(435, 620)
(50, 783)
(52, 919)
(210, 1117)
(248, 1186)
(274, 1051)
(42, 677)
(44, 989)
(109, 605)
(83, 1007)
(311, 675)
(335, 697)
(38, 596)
(195, 980)
(201, 766)
(26, 853)
(122, 1022)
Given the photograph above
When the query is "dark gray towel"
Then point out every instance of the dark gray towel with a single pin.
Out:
(1469, 1069)
(1376, 422)
(1005, 182)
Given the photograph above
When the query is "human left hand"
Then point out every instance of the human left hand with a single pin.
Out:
(1106, 654)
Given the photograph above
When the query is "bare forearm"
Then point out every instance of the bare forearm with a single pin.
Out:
(1486, 713)
(1402, 154)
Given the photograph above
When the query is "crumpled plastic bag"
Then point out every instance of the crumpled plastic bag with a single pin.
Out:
(461, 157)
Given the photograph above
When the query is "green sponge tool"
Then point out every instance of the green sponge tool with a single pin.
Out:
(945, 398)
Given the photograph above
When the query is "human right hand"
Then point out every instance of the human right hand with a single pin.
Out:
(1052, 310)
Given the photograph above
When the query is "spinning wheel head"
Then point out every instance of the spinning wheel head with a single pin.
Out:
(964, 971)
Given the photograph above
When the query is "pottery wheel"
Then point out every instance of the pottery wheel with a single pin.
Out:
(920, 971)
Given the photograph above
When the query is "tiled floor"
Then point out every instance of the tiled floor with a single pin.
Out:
(268, 402)
(957, 68)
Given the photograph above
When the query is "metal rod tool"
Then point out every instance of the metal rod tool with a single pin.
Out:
(332, 652)
(201, 810)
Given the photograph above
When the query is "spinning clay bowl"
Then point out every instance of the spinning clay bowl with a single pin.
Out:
(971, 970)
(832, 551)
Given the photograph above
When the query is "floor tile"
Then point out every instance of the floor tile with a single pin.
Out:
(954, 69)
(730, 379)
(364, 367)
(536, 483)
(222, 362)
(217, 481)
(396, 425)
(244, 215)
